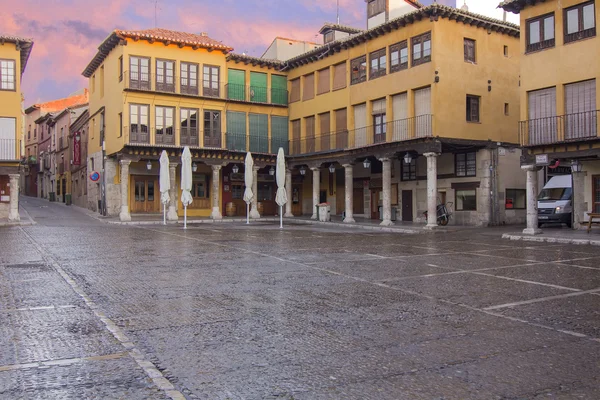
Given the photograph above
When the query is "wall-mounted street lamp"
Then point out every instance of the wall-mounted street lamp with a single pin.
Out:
(194, 167)
(272, 171)
(235, 169)
(302, 171)
(332, 168)
(576, 166)
(149, 165)
(407, 158)
(367, 163)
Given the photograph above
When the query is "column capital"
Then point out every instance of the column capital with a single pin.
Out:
(348, 165)
(14, 176)
(430, 154)
(384, 159)
(125, 162)
(315, 169)
(255, 168)
(531, 167)
(216, 167)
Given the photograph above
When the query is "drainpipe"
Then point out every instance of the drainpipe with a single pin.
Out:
(494, 206)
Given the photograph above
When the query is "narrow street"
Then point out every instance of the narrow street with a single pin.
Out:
(92, 310)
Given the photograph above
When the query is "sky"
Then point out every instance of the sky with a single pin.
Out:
(67, 33)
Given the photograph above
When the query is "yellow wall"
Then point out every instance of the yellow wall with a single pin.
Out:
(457, 79)
(560, 65)
(10, 101)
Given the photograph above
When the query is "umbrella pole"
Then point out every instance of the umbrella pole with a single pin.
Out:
(164, 214)
(185, 217)
(247, 213)
(280, 217)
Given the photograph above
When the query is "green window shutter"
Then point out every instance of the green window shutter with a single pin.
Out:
(258, 87)
(259, 133)
(236, 84)
(279, 134)
(279, 93)
(236, 131)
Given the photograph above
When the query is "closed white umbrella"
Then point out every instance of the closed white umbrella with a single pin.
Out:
(248, 195)
(186, 182)
(281, 197)
(164, 182)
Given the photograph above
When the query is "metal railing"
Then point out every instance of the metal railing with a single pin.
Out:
(8, 149)
(560, 128)
(390, 132)
(256, 94)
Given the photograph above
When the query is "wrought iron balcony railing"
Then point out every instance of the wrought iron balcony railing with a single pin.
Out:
(560, 128)
(256, 94)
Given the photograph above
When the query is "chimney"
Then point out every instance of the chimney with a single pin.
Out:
(204, 34)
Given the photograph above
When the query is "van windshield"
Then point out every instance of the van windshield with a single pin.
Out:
(553, 194)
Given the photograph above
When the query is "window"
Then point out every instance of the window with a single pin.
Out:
(188, 119)
(34, 133)
(580, 109)
(309, 87)
(8, 131)
(359, 70)
(29, 133)
(375, 7)
(469, 50)
(189, 78)
(328, 37)
(540, 33)
(165, 76)
(596, 193)
(505, 51)
(120, 68)
(237, 191)
(421, 49)
(323, 82)
(211, 81)
(339, 76)
(506, 109)
(409, 171)
(466, 200)
(579, 22)
(121, 124)
(139, 73)
(473, 108)
(398, 56)
(378, 60)
(93, 84)
(102, 125)
(466, 164)
(200, 186)
(101, 81)
(295, 93)
(516, 199)
(379, 120)
(7, 75)
(138, 121)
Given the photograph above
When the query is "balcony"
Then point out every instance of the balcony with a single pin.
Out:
(398, 131)
(148, 82)
(559, 129)
(8, 149)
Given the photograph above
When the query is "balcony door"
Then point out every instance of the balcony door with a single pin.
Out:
(139, 73)
(422, 111)
(542, 116)
(580, 109)
(138, 118)
(165, 76)
(165, 130)
(189, 78)
(212, 128)
(211, 81)
(189, 127)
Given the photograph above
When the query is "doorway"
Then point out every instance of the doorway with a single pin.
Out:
(375, 196)
(143, 195)
(297, 200)
(64, 190)
(407, 206)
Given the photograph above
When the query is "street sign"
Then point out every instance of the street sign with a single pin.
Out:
(94, 176)
(541, 159)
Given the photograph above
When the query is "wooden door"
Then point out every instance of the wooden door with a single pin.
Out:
(375, 194)
(297, 200)
(144, 195)
(407, 206)
(340, 191)
(358, 201)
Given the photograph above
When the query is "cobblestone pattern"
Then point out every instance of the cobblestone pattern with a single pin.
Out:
(253, 312)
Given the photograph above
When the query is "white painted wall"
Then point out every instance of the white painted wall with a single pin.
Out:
(283, 49)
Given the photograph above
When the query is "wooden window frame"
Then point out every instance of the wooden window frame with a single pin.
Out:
(473, 115)
(121, 69)
(191, 136)
(210, 91)
(163, 85)
(380, 57)
(410, 170)
(380, 121)
(206, 181)
(456, 199)
(595, 189)
(522, 191)
(345, 84)
(356, 75)
(306, 94)
(139, 124)
(543, 43)
(465, 161)
(470, 48)
(397, 48)
(328, 37)
(143, 84)
(421, 40)
(163, 133)
(188, 88)
(295, 95)
(375, 7)
(581, 33)
(14, 76)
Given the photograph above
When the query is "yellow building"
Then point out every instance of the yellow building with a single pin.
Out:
(157, 89)
(417, 110)
(14, 53)
(559, 101)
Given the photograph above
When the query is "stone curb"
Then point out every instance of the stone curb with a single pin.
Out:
(547, 239)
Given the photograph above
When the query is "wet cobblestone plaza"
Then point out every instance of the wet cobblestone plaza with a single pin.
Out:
(92, 310)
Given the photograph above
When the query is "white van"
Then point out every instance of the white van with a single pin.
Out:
(555, 201)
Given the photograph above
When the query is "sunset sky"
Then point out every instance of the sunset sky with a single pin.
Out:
(67, 32)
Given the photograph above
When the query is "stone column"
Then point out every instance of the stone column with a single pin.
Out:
(124, 215)
(431, 190)
(288, 189)
(216, 178)
(387, 191)
(13, 214)
(254, 205)
(532, 193)
(349, 193)
(173, 198)
(316, 187)
(579, 204)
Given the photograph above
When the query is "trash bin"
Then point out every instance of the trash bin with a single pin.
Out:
(52, 196)
(323, 212)
(68, 200)
(394, 213)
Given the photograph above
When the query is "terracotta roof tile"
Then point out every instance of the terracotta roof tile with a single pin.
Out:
(341, 28)
(185, 38)
(23, 45)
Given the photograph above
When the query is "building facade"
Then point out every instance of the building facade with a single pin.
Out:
(14, 53)
(391, 121)
(78, 137)
(559, 101)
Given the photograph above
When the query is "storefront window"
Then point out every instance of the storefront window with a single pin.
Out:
(466, 200)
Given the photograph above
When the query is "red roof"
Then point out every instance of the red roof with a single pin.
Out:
(184, 38)
(61, 104)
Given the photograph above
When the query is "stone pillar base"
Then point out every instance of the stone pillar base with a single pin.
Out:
(349, 220)
(216, 213)
(314, 216)
(532, 231)
(387, 223)
(288, 215)
(13, 216)
(431, 227)
(172, 214)
(124, 215)
(254, 213)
